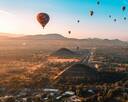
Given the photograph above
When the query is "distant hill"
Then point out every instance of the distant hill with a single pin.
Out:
(105, 42)
(46, 37)
(94, 41)
(62, 41)
(64, 52)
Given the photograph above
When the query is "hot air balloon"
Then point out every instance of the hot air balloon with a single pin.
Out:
(98, 2)
(78, 21)
(123, 8)
(91, 13)
(69, 32)
(77, 48)
(110, 16)
(43, 19)
(115, 20)
(125, 18)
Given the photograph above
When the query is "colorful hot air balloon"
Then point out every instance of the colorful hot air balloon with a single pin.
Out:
(43, 19)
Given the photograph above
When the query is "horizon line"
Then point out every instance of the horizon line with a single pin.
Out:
(22, 35)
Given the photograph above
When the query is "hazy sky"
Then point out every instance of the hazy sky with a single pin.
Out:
(19, 16)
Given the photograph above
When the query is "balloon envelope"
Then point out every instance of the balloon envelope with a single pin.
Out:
(125, 18)
(43, 19)
(115, 20)
(78, 21)
(123, 8)
(91, 13)
(110, 16)
(98, 2)
(69, 32)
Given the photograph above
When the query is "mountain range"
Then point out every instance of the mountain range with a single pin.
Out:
(40, 37)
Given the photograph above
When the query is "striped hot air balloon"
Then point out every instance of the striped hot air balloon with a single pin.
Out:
(43, 18)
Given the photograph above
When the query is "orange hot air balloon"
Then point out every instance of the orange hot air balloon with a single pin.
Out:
(43, 19)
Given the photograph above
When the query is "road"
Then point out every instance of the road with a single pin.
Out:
(87, 59)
